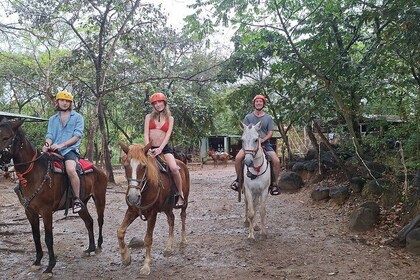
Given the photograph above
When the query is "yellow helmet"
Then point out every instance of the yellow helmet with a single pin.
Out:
(65, 95)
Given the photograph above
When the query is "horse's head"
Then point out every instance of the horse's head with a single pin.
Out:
(140, 170)
(251, 143)
(8, 132)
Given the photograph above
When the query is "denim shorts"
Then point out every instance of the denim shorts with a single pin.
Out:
(72, 155)
(267, 146)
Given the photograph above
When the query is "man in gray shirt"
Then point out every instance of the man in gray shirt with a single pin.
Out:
(266, 132)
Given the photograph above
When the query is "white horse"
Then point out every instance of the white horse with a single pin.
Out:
(257, 175)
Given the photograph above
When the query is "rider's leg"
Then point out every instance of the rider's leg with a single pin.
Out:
(70, 162)
(170, 159)
(75, 183)
(275, 161)
(238, 168)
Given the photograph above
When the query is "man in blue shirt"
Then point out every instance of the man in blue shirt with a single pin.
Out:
(65, 130)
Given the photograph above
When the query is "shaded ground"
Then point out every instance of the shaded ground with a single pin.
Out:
(306, 240)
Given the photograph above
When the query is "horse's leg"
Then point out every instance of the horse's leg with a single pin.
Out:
(130, 216)
(250, 213)
(87, 219)
(263, 212)
(171, 222)
(148, 240)
(33, 219)
(183, 219)
(49, 241)
(100, 202)
(246, 221)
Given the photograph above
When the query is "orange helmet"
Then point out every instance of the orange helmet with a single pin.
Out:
(259, 96)
(65, 95)
(158, 96)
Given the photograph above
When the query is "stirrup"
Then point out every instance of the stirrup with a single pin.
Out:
(235, 185)
(77, 206)
(274, 190)
(177, 205)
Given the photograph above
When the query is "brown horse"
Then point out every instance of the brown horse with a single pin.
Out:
(43, 192)
(219, 156)
(149, 191)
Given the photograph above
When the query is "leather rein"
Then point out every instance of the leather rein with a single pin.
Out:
(257, 169)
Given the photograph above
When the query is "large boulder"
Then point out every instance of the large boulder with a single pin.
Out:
(340, 194)
(320, 194)
(290, 182)
(365, 217)
(413, 241)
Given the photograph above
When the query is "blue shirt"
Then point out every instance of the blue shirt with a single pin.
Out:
(60, 133)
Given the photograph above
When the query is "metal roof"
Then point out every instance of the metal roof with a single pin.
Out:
(20, 116)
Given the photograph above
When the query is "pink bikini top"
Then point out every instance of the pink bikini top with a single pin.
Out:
(164, 127)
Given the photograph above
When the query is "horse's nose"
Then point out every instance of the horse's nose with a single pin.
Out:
(248, 160)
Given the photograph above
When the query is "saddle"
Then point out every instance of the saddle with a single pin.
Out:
(83, 166)
(163, 167)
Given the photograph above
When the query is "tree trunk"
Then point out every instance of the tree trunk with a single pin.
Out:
(105, 148)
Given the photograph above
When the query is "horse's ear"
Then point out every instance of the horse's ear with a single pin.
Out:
(147, 147)
(16, 124)
(242, 126)
(258, 126)
(123, 146)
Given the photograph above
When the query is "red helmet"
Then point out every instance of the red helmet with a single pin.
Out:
(158, 96)
(259, 96)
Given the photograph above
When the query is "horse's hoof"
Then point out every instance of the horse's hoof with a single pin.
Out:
(167, 252)
(88, 252)
(34, 268)
(145, 270)
(98, 250)
(46, 275)
(127, 261)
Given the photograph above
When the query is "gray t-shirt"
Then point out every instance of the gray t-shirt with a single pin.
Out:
(266, 122)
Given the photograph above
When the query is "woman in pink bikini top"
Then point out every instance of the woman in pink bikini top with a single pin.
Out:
(158, 127)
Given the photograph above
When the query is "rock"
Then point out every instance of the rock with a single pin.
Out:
(357, 184)
(320, 194)
(136, 243)
(291, 182)
(365, 217)
(340, 194)
(413, 241)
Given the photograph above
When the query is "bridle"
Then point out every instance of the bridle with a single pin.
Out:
(253, 153)
(141, 185)
(8, 154)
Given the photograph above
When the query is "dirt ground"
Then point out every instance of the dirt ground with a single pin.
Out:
(306, 240)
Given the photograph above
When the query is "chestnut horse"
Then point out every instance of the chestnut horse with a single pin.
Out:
(149, 191)
(219, 156)
(43, 192)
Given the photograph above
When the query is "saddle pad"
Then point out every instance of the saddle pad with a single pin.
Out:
(86, 165)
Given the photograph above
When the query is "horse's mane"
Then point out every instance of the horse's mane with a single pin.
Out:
(136, 151)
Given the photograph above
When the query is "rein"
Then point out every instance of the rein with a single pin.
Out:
(254, 152)
(142, 188)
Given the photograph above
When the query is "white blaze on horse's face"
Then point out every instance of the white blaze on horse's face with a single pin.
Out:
(133, 182)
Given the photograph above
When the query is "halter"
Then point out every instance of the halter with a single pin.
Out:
(142, 187)
(253, 153)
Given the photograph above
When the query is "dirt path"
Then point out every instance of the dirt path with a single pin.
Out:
(306, 240)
